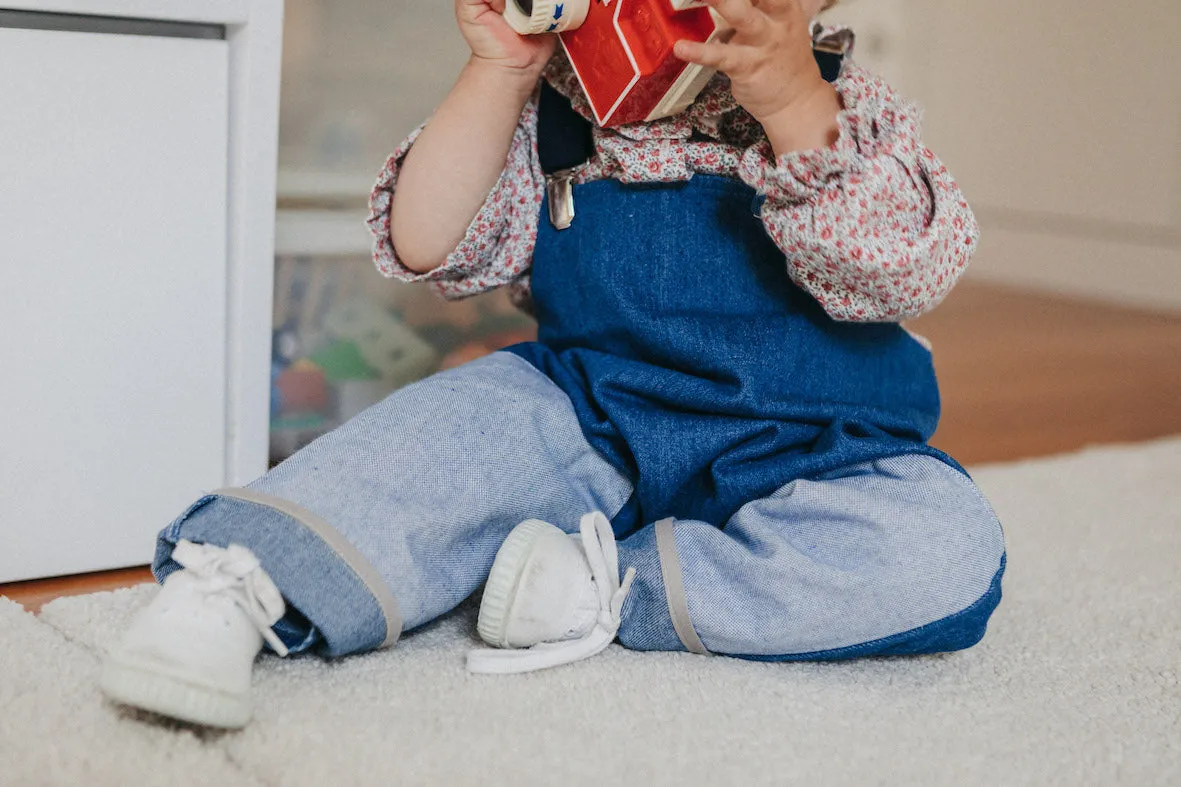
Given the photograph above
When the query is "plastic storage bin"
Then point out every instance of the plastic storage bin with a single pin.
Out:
(345, 338)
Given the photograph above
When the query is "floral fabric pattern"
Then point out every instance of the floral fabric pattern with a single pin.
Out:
(874, 227)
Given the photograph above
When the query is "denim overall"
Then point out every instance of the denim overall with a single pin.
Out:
(765, 467)
(697, 368)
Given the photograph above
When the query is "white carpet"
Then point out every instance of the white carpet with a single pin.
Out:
(1076, 683)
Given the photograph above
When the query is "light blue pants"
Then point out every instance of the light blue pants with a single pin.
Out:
(393, 519)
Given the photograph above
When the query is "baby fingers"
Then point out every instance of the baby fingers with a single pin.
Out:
(742, 15)
(776, 9)
(728, 58)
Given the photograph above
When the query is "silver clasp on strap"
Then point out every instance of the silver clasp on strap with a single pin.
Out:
(833, 40)
(559, 188)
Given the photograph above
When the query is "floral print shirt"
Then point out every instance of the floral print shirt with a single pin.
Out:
(874, 228)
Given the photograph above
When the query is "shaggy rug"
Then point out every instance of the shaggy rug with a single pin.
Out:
(1076, 683)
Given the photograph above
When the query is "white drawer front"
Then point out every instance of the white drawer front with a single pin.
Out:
(113, 157)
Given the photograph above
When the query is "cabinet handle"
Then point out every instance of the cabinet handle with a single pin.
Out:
(110, 25)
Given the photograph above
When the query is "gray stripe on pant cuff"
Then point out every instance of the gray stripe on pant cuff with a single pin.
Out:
(674, 588)
(346, 551)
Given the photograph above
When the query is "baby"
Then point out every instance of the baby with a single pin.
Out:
(722, 407)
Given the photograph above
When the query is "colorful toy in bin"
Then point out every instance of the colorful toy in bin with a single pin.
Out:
(395, 352)
(342, 360)
(357, 384)
(276, 397)
(488, 344)
(302, 388)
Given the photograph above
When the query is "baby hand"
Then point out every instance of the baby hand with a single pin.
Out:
(493, 42)
(769, 57)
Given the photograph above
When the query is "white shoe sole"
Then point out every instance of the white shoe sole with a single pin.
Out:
(505, 579)
(143, 687)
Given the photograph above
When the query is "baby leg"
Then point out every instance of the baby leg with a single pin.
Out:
(395, 517)
(900, 555)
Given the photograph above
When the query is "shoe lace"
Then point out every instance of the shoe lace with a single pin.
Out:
(598, 541)
(235, 572)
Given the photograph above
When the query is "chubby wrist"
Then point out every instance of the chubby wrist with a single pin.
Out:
(518, 80)
(806, 123)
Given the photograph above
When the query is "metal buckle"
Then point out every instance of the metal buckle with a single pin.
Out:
(559, 189)
(836, 41)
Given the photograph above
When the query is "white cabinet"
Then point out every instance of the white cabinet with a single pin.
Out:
(133, 305)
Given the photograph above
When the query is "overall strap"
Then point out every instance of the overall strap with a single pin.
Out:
(563, 136)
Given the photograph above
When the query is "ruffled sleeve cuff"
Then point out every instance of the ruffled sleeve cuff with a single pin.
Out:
(875, 121)
(497, 247)
(874, 227)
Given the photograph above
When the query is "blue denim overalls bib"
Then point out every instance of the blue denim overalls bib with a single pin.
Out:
(694, 364)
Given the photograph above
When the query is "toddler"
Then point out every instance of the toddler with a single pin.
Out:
(718, 443)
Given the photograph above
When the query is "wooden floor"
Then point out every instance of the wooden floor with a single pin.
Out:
(1022, 375)
(32, 595)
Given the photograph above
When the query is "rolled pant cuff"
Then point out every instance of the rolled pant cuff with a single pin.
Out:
(645, 620)
(333, 591)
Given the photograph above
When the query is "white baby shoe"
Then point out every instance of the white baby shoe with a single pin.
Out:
(189, 654)
(551, 598)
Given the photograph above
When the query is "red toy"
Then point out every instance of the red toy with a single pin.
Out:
(622, 51)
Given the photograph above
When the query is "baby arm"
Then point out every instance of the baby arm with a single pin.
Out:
(454, 163)
(457, 202)
(872, 224)
(873, 227)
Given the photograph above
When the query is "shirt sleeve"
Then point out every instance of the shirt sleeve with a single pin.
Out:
(497, 248)
(874, 227)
